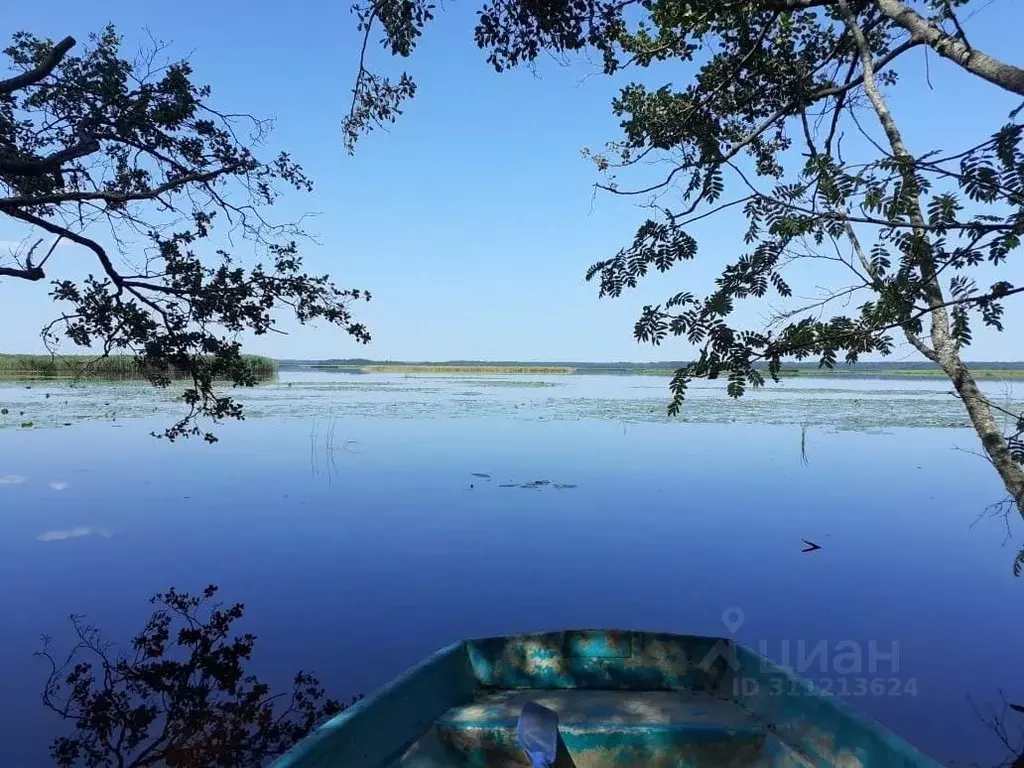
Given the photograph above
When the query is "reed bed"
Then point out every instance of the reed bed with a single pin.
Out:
(90, 366)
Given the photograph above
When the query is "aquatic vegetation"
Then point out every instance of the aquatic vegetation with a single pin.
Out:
(861, 408)
(110, 367)
(510, 383)
(553, 370)
(906, 373)
(872, 370)
(538, 484)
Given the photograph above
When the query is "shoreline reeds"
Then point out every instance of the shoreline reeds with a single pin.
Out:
(95, 367)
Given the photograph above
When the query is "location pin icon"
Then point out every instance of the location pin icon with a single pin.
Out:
(732, 618)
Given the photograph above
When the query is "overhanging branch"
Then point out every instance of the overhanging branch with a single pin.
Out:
(33, 76)
(790, 108)
(40, 166)
(56, 229)
(57, 198)
(27, 273)
(1006, 76)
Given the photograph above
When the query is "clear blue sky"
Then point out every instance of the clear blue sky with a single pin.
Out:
(472, 222)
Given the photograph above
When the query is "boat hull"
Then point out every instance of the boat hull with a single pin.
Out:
(624, 699)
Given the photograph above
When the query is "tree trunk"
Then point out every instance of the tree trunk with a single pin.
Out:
(980, 412)
(944, 348)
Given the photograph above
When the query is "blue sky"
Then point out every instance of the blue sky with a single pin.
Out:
(473, 221)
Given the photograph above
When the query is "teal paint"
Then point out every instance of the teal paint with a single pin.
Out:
(374, 730)
(623, 699)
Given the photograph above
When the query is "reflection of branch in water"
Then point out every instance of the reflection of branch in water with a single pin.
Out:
(1002, 509)
(803, 445)
(1010, 736)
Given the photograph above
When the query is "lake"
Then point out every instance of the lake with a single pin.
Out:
(352, 516)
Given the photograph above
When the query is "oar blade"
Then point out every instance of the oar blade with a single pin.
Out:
(537, 734)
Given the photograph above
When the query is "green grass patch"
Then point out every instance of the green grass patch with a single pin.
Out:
(90, 366)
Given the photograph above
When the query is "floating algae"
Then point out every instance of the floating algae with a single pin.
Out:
(842, 408)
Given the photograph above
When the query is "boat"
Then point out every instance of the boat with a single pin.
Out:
(620, 699)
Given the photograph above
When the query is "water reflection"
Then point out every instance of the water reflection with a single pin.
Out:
(79, 532)
(343, 519)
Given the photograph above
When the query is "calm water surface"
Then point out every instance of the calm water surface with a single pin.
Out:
(345, 513)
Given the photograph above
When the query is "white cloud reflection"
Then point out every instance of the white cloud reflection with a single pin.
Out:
(58, 485)
(80, 532)
(12, 479)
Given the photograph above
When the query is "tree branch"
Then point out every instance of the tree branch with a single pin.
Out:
(912, 337)
(28, 273)
(920, 346)
(954, 48)
(33, 76)
(56, 229)
(1006, 76)
(58, 198)
(785, 111)
(17, 166)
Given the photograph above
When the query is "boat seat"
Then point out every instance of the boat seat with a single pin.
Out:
(603, 729)
(603, 709)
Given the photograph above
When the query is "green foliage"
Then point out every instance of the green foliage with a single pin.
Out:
(377, 100)
(179, 697)
(127, 163)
